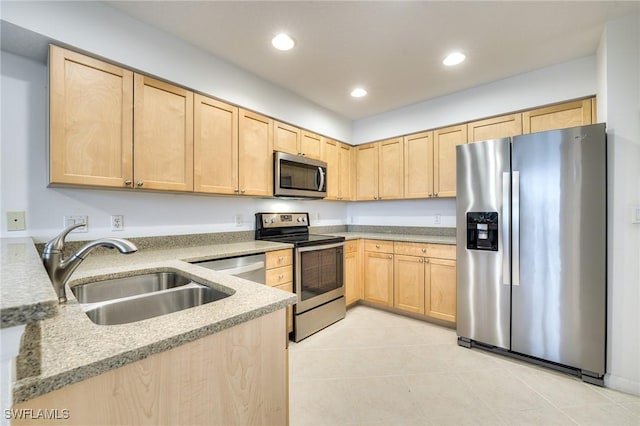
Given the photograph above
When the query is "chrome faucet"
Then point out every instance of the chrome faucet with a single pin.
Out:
(60, 269)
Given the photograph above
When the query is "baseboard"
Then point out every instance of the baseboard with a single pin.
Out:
(622, 384)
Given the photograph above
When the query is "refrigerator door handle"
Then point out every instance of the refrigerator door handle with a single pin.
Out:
(515, 227)
(506, 238)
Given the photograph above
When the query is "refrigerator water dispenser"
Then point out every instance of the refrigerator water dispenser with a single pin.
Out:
(482, 231)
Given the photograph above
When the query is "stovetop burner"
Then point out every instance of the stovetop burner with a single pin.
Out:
(290, 228)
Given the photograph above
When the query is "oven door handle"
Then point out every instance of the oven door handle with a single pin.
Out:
(320, 247)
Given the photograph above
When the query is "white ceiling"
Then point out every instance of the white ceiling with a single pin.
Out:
(392, 48)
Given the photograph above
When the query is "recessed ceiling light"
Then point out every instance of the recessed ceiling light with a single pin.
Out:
(358, 92)
(283, 42)
(453, 58)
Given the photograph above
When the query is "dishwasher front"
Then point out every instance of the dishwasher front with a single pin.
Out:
(251, 267)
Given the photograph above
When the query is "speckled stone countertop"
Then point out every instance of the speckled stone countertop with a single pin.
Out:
(24, 298)
(72, 348)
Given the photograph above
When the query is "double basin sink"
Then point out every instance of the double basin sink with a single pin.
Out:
(135, 298)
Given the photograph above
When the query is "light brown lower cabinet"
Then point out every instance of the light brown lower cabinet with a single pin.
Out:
(440, 289)
(279, 274)
(378, 272)
(238, 376)
(408, 283)
(352, 271)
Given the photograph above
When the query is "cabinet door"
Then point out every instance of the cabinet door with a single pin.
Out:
(418, 165)
(408, 283)
(163, 135)
(444, 151)
(347, 166)
(311, 145)
(91, 121)
(440, 289)
(367, 172)
(391, 169)
(215, 147)
(331, 156)
(255, 154)
(286, 138)
(352, 282)
(561, 116)
(289, 288)
(494, 128)
(378, 278)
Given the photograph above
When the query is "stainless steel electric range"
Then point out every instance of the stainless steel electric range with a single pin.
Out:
(318, 273)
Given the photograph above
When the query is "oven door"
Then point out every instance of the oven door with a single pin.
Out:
(319, 275)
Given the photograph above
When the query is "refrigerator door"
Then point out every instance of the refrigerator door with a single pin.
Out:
(559, 301)
(482, 212)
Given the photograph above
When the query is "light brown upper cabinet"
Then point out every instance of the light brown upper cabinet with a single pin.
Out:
(255, 154)
(379, 170)
(296, 141)
(494, 128)
(91, 121)
(339, 170)
(163, 135)
(444, 153)
(215, 147)
(418, 165)
(569, 114)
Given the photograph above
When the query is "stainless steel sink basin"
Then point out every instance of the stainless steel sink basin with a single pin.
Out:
(129, 299)
(100, 291)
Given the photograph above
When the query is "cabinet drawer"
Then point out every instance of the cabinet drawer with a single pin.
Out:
(411, 249)
(351, 246)
(279, 276)
(378, 246)
(442, 251)
(279, 258)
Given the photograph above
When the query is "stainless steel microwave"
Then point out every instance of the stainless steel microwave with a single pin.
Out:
(298, 177)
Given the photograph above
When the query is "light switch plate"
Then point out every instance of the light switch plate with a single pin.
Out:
(72, 220)
(15, 221)
(635, 214)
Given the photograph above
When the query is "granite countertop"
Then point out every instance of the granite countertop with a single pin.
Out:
(27, 294)
(413, 238)
(72, 348)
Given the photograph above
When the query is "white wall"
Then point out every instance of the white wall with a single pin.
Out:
(619, 54)
(23, 180)
(557, 83)
(107, 32)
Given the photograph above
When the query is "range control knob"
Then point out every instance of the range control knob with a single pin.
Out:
(265, 220)
(273, 220)
(301, 219)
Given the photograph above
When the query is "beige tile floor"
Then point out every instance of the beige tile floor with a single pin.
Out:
(378, 368)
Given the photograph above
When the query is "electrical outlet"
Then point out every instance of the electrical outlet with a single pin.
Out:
(15, 221)
(117, 222)
(437, 219)
(73, 220)
(238, 219)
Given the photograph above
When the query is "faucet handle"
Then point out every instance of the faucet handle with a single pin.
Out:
(57, 243)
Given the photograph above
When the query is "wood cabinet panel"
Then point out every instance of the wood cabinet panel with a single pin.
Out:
(418, 165)
(440, 289)
(91, 121)
(347, 169)
(441, 251)
(351, 246)
(277, 258)
(378, 246)
(215, 150)
(352, 276)
(311, 145)
(391, 169)
(445, 142)
(286, 138)
(238, 376)
(367, 172)
(560, 116)
(163, 135)
(494, 128)
(409, 283)
(410, 249)
(279, 276)
(255, 154)
(378, 278)
(331, 157)
(289, 288)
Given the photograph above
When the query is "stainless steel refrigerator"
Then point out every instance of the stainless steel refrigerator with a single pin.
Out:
(531, 254)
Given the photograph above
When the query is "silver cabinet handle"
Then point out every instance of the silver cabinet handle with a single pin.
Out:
(236, 190)
(139, 183)
(421, 260)
(280, 259)
(424, 250)
(515, 225)
(426, 261)
(377, 245)
(431, 194)
(128, 182)
(242, 191)
(504, 227)
(281, 276)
